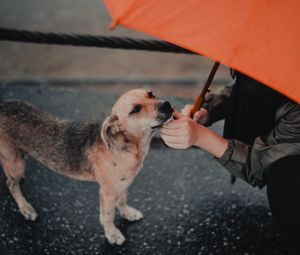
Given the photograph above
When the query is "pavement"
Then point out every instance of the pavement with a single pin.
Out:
(188, 203)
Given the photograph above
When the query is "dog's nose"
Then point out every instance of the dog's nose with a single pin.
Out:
(165, 107)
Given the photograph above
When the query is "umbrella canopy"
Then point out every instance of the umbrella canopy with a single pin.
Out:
(259, 38)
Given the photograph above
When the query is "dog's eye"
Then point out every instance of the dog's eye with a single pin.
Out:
(137, 108)
(150, 95)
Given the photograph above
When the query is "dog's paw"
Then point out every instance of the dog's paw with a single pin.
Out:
(131, 214)
(28, 212)
(114, 236)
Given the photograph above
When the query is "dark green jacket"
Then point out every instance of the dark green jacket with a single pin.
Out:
(249, 162)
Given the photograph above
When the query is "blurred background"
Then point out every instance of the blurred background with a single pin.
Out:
(94, 68)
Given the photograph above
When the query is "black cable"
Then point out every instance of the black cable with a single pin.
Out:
(89, 41)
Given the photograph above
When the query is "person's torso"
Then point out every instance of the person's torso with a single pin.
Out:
(251, 110)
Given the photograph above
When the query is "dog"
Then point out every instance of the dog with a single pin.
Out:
(111, 154)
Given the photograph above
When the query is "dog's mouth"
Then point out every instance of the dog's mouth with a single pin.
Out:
(165, 121)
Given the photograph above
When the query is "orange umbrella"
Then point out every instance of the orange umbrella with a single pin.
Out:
(258, 38)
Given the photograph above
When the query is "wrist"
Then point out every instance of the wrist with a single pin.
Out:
(200, 135)
(210, 141)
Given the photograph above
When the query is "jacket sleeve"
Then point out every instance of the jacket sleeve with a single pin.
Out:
(250, 162)
(216, 105)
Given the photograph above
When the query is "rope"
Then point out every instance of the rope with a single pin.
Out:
(89, 41)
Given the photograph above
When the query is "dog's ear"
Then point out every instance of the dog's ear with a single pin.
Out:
(110, 131)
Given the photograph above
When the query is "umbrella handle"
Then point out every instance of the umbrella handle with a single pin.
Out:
(200, 99)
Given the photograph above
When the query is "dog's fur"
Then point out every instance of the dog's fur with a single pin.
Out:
(111, 155)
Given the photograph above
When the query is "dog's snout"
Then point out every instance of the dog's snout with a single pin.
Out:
(165, 107)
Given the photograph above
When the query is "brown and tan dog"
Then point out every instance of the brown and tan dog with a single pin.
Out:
(112, 155)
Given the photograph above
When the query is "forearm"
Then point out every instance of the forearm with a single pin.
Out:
(210, 141)
(231, 154)
(183, 132)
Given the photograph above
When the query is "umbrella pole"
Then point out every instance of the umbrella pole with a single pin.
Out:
(200, 99)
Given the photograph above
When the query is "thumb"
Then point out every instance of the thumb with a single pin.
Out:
(187, 110)
(178, 115)
(200, 115)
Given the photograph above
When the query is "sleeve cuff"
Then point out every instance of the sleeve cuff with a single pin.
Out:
(236, 151)
(240, 152)
(234, 160)
(226, 157)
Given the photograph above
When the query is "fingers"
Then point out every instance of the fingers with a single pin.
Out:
(176, 146)
(170, 139)
(186, 110)
(170, 132)
(179, 134)
(200, 114)
(175, 124)
(173, 142)
(178, 122)
(178, 115)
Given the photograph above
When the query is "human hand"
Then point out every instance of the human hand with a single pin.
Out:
(181, 133)
(201, 116)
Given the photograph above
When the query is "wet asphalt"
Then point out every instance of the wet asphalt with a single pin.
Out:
(188, 203)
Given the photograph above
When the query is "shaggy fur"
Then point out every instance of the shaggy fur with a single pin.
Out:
(111, 154)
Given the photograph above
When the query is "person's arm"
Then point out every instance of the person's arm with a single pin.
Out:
(184, 132)
(282, 141)
(242, 160)
(250, 162)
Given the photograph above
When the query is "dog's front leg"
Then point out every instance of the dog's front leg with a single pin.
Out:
(126, 211)
(107, 215)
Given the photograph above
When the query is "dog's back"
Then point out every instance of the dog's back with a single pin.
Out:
(30, 129)
(22, 120)
(58, 143)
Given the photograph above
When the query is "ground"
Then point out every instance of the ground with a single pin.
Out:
(188, 203)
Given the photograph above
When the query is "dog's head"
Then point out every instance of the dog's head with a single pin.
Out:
(136, 112)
